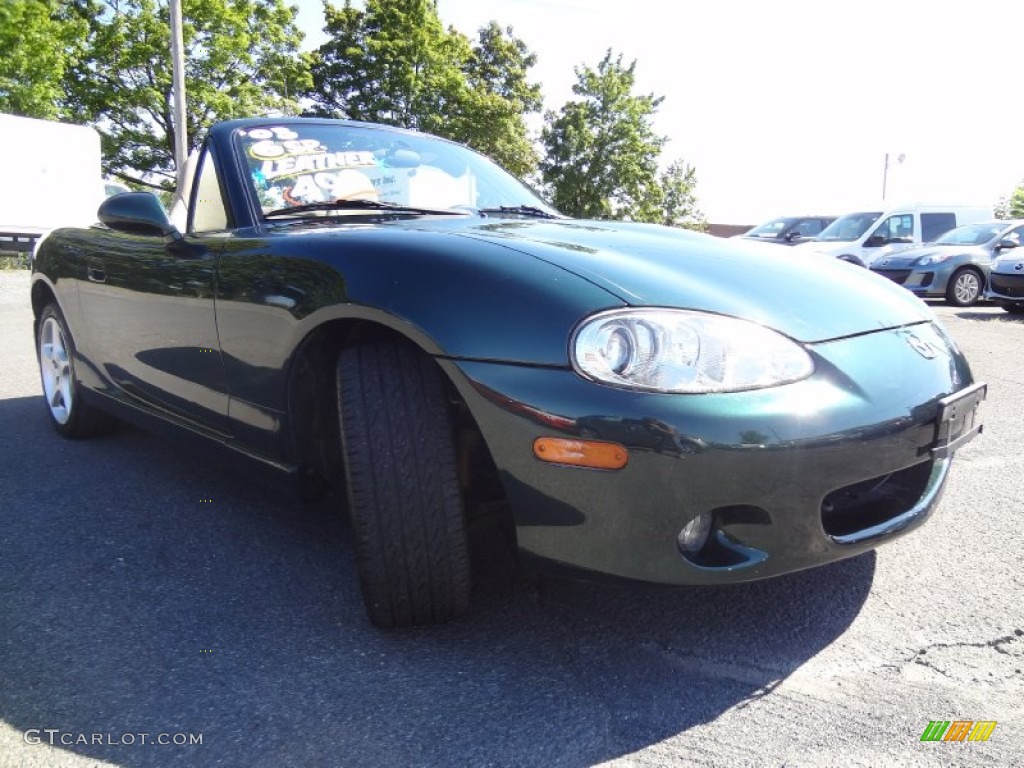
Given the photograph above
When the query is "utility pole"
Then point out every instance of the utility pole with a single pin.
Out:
(885, 174)
(178, 87)
(885, 170)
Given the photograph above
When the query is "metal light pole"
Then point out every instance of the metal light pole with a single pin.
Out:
(885, 174)
(885, 170)
(178, 87)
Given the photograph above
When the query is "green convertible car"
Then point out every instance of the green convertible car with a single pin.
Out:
(390, 316)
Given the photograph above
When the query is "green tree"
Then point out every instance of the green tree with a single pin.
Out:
(679, 204)
(501, 95)
(241, 59)
(1016, 203)
(38, 46)
(387, 63)
(394, 62)
(601, 151)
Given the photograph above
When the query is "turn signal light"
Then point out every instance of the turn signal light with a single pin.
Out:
(581, 453)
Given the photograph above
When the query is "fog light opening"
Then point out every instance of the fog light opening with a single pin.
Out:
(694, 534)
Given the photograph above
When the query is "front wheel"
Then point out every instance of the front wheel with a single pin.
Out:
(964, 288)
(69, 414)
(408, 520)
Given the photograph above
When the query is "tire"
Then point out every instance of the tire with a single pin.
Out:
(1013, 309)
(964, 287)
(70, 415)
(408, 519)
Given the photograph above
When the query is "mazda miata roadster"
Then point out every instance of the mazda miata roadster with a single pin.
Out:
(390, 317)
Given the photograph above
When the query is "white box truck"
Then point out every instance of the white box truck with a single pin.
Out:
(52, 178)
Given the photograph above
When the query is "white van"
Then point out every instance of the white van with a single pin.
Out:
(857, 237)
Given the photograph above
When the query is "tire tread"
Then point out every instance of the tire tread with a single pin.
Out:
(404, 501)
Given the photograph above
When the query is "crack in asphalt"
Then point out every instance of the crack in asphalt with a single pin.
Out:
(996, 644)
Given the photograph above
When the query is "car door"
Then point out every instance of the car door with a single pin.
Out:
(150, 309)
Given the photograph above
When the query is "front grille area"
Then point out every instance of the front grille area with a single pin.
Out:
(896, 275)
(1008, 285)
(863, 505)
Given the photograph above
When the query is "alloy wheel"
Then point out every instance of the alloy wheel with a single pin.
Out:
(55, 366)
(967, 288)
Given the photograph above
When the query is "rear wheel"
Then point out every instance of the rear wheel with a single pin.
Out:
(1013, 309)
(964, 287)
(69, 414)
(404, 501)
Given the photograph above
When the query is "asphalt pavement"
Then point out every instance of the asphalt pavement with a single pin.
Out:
(146, 590)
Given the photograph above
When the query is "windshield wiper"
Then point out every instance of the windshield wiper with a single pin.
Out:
(360, 205)
(522, 210)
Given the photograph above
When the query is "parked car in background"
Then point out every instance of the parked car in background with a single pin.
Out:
(857, 237)
(1006, 279)
(390, 315)
(789, 230)
(956, 266)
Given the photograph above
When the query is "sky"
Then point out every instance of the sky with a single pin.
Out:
(787, 107)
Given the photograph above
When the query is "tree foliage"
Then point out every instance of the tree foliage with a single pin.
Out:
(1012, 206)
(601, 150)
(1015, 206)
(394, 62)
(241, 59)
(501, 95)
(679, 199)
(37, 48)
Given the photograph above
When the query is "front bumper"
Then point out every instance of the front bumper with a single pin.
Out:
(793, 476)
(1007, 287)
(921, 282)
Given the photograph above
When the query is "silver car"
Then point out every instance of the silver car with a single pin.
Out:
(1006, 281)
(956, 265)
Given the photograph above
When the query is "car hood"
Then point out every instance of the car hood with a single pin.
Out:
(906, 258)
(804, 295)
(1008, 262)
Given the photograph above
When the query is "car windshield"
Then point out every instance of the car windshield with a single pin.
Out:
(771, 228)
(849, 227)
(296, 164)
(972, 234)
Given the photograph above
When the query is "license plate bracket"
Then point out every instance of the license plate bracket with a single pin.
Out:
(957, 423)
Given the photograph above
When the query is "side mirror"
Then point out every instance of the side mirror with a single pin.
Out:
(875, 241)
(792, 235)
(1005, 244)
(138, 213)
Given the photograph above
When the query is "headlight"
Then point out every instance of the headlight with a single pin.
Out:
(677, 350)
(935, 258)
